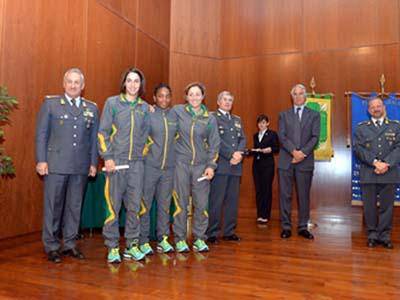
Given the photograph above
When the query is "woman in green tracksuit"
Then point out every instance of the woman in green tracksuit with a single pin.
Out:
(196, 153)
(159, 167)
(123, 132)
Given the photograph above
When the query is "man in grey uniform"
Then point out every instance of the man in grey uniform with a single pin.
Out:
(159, 170)
(299, 129)
(224, 190)
(66, 152)
(377, 146)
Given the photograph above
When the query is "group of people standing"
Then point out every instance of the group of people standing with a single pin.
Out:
(159, 151)
(181, 153)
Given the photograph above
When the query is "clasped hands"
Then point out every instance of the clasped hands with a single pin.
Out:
(381, 167)
(298, 156)
(237, 157)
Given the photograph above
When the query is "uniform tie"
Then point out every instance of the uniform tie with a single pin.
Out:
(378, 123)
(75, 108)
(297, 129)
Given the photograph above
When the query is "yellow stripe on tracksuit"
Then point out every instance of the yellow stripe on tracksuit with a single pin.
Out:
(147, 146)
(143, 208)
(109, 202)
(178, 209)
(103, 146)
(113, 132)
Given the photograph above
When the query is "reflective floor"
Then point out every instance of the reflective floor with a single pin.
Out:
(336, 265)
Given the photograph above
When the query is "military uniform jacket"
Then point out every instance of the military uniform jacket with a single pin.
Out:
(198, 139)
(232, 139)
(124, 128)
(380, 143)
(65, 139)
(160, 145)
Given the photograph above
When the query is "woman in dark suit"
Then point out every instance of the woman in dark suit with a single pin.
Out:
(266, 143)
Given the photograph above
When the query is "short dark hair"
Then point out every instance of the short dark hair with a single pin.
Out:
(199, 85)
(142, 81)
(161, 86)
(262, 117)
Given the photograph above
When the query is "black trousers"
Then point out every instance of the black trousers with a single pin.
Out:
(263, 175)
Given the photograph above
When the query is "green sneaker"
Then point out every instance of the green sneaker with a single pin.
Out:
(164, 246)
(181, 246)
(146, 249)
(200, 246)
(133, 253)
(113, 256)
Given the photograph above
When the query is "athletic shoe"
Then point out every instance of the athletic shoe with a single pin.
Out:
(200, 246)
(146, 249)
(181, 247)
(164, 246)
(133, 253)
(113, 256)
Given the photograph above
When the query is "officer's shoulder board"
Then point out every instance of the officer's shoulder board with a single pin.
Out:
(235, 116)
(393, 121)
(88, 101)
(367, 122)
(52, 97)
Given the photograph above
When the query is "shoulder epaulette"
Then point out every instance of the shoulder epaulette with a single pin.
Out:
(367, 122)
(52, 96)
(89, 101)
(394, 121)
(233, 115)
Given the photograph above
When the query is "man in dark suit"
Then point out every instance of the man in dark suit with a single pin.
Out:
(66, 153)
(299, 129)
(224, 190)
(377, 146)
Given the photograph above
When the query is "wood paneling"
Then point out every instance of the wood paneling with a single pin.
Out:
(343, 24)
(39, 41)
(31, 67)
(258, 27)
(111, 42)
(154, 19)
(185, 69)
(153, 60)
(195, 27)
(126, 9)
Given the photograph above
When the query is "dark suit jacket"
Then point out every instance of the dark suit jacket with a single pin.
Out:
(310, 129)
(269, 139)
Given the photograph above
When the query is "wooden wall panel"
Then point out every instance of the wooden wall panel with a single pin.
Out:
(126, 9)
(32, 67)
(111, 50)
(186, 68)
(153, 60)
(342, 24)
(154, 19)
(195, 27)
(258, 27)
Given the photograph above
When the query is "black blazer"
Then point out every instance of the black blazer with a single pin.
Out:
(270, 139)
